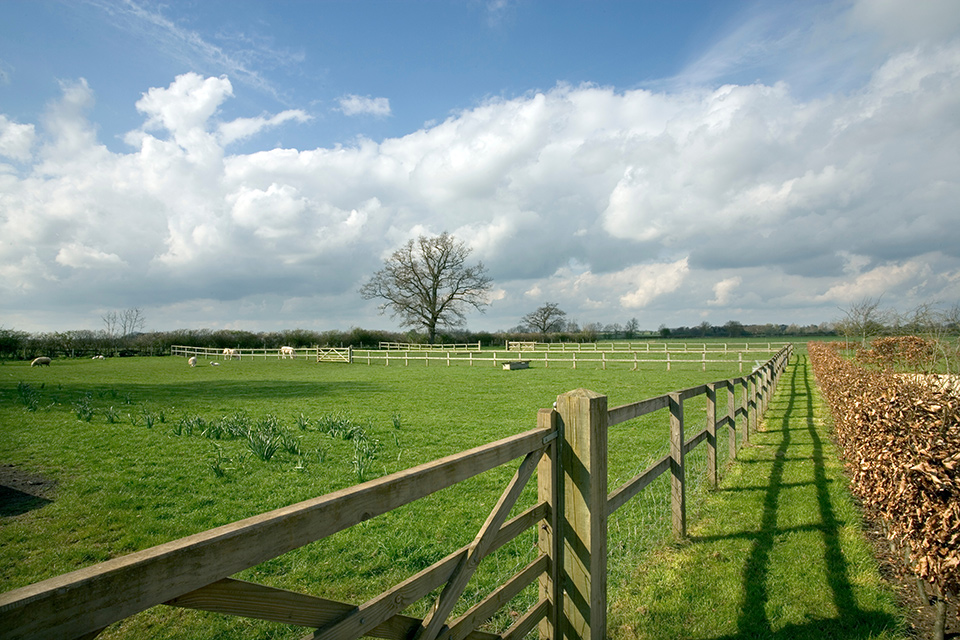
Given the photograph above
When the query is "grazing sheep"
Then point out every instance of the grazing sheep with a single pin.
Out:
(286, 352)
(230, 353)
(42, 361)
(193, 361)
(97, 358)
(214, 364)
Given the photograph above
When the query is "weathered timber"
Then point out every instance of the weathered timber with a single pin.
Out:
(461, 628)
(549, 540)
(89, 599)
(678, 490)
(478, 549)
(635, 485)
(583, 454)
(383, 607)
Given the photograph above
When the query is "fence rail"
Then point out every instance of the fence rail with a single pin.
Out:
(648, 347)
(567, 451)
(240, 354)
(413, 346)
(572, 359)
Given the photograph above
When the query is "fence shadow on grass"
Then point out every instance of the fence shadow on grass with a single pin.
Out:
(850, 621)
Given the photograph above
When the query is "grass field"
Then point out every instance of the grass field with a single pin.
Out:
(142, 454)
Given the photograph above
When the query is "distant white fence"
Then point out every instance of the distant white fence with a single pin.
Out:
(570, 359)
(648, 347)
(211, 353)
(745, 356)
(412, 346)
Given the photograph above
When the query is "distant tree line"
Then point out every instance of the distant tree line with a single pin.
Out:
(121, 335)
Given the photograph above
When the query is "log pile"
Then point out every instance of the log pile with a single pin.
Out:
(900, 439)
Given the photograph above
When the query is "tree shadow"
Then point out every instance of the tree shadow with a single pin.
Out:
(14, 502)
(850, 621)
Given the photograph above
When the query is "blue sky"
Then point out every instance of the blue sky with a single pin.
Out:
(248, 165)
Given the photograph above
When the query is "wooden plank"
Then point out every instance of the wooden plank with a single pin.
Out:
(383, 607)
(692, 392)
(549, 539)
(690, 444)
(484, 610)
(583, 455)
(712, 434)
(237, 597)
(478, 549)
(731, 420)
(91, 598)
(635, 485)
(678, 498)
(637, 409)
(527, 622)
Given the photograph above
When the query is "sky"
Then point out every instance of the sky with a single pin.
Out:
(249, 165)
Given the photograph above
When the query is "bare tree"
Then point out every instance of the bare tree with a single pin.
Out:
(111, 322)
(131, 320)
(546, 319)
(863, 320)
(427, 283)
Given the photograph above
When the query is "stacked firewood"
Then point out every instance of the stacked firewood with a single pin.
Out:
(900, 438)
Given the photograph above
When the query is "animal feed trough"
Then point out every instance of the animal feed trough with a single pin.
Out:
(519, 364)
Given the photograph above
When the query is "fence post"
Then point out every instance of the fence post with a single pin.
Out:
(583, 455)
(745, 409)
(731, 420)
(678, 492)
(550, 539)
(712, 434)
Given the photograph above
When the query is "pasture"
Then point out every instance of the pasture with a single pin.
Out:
(142, 453)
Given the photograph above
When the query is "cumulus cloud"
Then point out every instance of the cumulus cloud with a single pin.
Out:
(79, 256)
(353, 105)
(661, 205)
(16, 140)
(242, 128)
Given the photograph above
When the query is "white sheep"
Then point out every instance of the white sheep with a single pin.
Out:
(287, 352)
(215, 364)
(97, 358)
(42, 361)
(192, 361)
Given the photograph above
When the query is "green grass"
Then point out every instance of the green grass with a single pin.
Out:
(143, 454)
(776, 552)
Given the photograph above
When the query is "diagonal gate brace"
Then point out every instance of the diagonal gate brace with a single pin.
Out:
(435, 620)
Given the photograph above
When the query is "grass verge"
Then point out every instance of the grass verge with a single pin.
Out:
(776, 552)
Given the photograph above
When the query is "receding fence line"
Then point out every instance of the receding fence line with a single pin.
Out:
(568, 451)
(241, 354)
(658, 347)
(414, 346)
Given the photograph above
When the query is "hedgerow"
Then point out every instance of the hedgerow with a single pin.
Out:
(900, 438)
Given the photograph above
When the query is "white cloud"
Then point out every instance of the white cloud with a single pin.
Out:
(242, 128)
(723, 290)
(607, 202)
(353, 105)
(79, 256)
(16, 140)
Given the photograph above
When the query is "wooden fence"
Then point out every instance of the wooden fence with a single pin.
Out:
(413, 346)
(570, 359)
(568, 452)
(210, 353)
(649, 347)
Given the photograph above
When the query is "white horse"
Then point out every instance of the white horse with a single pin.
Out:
(230, 353)
(287, 352)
